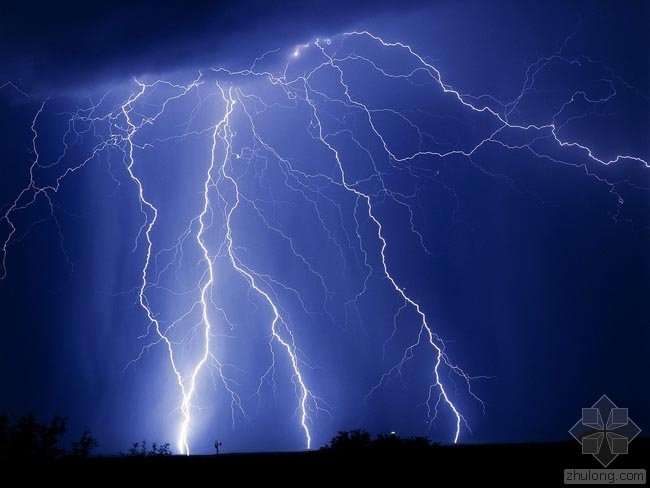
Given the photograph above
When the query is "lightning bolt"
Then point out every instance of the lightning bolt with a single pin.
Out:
(316, 84)
(280, 330)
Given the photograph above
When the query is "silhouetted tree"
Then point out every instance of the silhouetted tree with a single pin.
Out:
(419, 442)
(28, 438)
(350, 439)
(140, 450)
(387, 441)
(84, 446)
(137, 450)
(160, 450)
(360, 439)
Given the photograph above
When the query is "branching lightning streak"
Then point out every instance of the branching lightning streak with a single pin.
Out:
(287, 343)
(123, 129)
(149, 225)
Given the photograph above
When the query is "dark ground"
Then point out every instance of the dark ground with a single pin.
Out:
(508, 464)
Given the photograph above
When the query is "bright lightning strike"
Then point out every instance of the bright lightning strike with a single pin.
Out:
(349, 176)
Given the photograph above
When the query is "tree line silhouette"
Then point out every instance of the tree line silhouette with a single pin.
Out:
(26, 437)
(362, 440)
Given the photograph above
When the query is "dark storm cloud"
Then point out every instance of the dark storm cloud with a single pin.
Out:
(55, 43)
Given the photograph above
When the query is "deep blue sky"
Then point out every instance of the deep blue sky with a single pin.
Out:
(529, 259)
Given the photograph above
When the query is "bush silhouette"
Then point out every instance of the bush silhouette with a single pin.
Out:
(27, 438)
(140, 450)
(360, 439)
(84, 446)
(351, 440)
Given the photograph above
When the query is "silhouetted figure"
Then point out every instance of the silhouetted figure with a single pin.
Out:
(216, 446)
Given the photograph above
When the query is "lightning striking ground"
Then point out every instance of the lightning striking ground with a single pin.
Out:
(351, 173)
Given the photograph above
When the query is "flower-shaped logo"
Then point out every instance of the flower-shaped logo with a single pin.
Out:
(591, 431)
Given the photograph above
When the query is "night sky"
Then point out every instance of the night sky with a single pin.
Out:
(281, 200)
